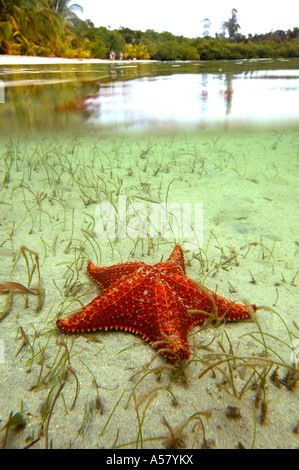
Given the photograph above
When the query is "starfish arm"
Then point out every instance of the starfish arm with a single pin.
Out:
(174, 323)
(108, 275)
(177, 259)
(228, 310)
(201, 298)
(128, 306)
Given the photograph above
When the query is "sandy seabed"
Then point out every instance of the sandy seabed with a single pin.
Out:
(110, 389)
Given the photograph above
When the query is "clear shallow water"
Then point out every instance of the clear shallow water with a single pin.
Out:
(50, 190)
(151, 96)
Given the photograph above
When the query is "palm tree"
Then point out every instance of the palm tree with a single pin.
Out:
(73, 24)
(27, 25)
(40, 27)
(62, 7)
(232, 25)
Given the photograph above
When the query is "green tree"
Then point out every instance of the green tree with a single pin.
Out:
(32, 27)
(32, 24)
(63, 7)
(128, 34)
(73, 24)
(140, 51)
(232, 25)
(206, 27)
(137, 51)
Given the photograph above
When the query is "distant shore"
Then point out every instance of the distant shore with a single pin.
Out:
(24, 60)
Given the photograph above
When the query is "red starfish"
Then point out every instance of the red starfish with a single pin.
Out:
(152, 301)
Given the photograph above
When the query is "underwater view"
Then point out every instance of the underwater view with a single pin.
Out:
(186, 173)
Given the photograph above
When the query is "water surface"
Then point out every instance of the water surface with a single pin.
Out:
(151, 96)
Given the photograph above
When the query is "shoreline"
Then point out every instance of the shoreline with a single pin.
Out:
(36, 60)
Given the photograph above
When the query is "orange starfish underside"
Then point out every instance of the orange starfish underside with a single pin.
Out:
(158, 302)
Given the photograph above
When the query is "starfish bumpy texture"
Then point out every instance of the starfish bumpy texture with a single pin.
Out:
(158, 302)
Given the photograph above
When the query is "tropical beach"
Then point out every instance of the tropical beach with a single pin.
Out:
(34, 60)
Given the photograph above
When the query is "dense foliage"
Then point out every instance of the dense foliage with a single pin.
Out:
(52, 28)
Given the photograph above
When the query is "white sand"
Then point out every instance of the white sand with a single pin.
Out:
(248, 186)
(32, 60)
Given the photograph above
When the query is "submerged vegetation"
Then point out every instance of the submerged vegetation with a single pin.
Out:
(81, 391)
(52, 28)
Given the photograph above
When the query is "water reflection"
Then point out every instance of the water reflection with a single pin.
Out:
(196, 100)
(149, 96)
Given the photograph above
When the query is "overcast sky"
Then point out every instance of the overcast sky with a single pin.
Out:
(185, 17)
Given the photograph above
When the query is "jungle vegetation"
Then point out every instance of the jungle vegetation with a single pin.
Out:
(52, 28)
